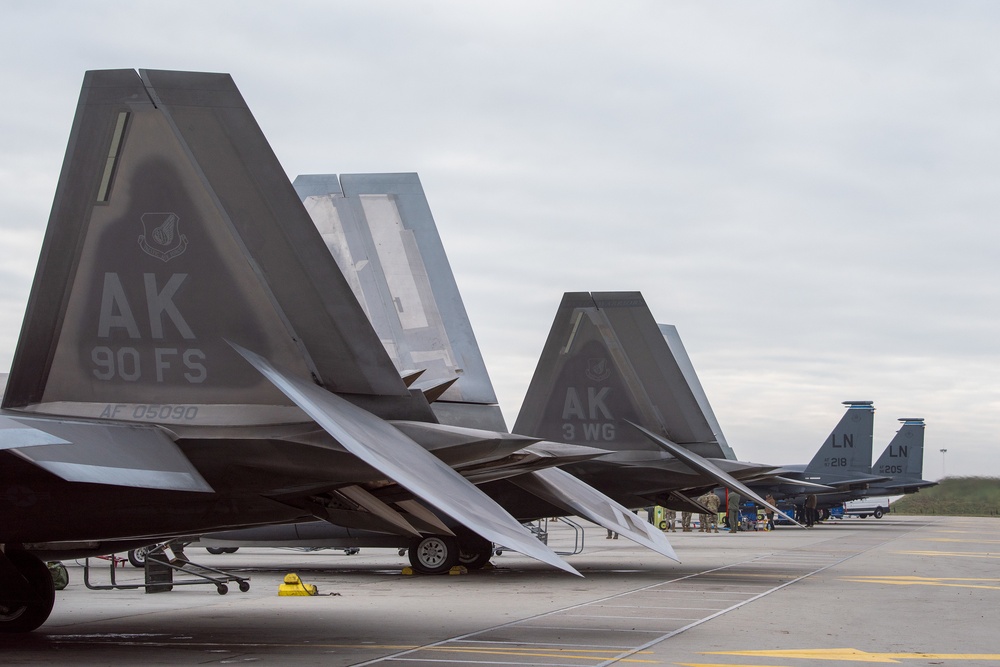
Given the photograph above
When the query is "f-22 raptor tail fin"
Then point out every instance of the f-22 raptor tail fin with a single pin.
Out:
(380, 229)
(174, 229)
(606, 362)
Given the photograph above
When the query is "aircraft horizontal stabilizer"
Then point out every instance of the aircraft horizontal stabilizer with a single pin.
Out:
(115, 454)
(778, 479)
(462, 446)
(388, 450)
(702, 465)
(538, 456)
(14, 435)
(564, 490)
(860, 483)
(900, 486)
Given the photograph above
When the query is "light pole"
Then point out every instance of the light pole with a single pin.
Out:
(944, 470)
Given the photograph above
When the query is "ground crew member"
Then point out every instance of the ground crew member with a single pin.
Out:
(810, 510)
(733, 512)
(768, 512)
(712, 502)
(685, 522)
(703, 518)
(671, 519)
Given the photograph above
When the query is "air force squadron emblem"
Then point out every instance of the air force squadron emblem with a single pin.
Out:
(598, 370)
(162, 238)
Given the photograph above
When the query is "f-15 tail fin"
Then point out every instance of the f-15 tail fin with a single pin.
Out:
(848, 448)
(903, 459)
(605, 362)
(175, 228)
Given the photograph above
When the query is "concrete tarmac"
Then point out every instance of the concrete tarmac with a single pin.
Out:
(900, 590)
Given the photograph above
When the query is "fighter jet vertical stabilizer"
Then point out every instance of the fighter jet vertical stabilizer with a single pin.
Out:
(380, 229)
(847, 451)
(606, 361)
(903, 459)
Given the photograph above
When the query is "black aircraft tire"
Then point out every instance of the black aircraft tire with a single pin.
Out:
(216, 551)
(878, 514)
(27, 617)
(862, 516)
(474, 552)
(434, 554)
(137, 557)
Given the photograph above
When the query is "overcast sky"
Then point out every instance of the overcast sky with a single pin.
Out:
(808, 191)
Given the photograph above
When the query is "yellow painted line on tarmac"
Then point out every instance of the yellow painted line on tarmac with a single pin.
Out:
(959, 554)
(851, 654)
(905, 580)
(812, 654)
(957, 540)
(961, 532)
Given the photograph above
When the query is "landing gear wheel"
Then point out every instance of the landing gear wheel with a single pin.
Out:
(137, 557)
(474, 552)
(878, 513)
(435, 554)
(26, 616)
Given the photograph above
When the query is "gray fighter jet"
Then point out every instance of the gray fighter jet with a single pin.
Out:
(622, 383)
(840, 467)
(380, 229)
(898, 471)
(610, 376)
(192, 359)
